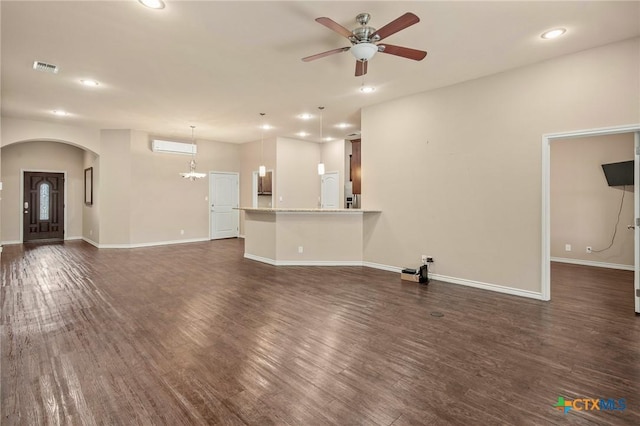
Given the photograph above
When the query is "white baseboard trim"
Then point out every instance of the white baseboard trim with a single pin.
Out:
(93, 243)
(73, 238)
(9, 243)
(260, 259)
(452, 280)
(142, 245)
(319, 263)
(488, 286)
(466, 282)
(241, 236)
(381, 266)
(303, 262)
(593, 263)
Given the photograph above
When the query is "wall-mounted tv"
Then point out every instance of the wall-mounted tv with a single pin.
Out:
(619, 174)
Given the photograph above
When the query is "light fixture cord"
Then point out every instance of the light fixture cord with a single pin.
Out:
(262, 140)
(321, 116)
(193, 144)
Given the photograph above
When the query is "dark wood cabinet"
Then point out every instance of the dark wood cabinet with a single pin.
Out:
(355, 167)
(264, 184)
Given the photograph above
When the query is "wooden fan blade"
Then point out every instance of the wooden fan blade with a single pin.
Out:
(327, 53)
(393, 27)
(361, 68)
(405, 52)
(333, 25)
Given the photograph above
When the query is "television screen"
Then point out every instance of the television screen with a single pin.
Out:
(619, 174)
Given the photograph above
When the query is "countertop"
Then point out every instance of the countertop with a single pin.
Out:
(303, 210)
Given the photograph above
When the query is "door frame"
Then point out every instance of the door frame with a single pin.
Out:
(254, 187)
(210, 196)
(547, 139)
(21, 204)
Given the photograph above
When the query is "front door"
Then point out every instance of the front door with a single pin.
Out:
(43, 206)
(223, 188)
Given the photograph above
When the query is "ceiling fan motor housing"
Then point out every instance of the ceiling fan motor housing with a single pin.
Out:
(363, 34)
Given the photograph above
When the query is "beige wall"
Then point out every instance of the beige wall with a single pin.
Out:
(262, 226)
(328, 237)
(115, 187)
(250, 158)
(41, 156)
(164, 206)
(457, 171)
(19, 130)
(584, 209)
(139, 197)
(297, 179)
(90, 216)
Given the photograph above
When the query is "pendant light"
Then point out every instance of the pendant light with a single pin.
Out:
(321, 164)
(192, 174)
(262, 170)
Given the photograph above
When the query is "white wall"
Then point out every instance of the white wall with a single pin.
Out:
(462, 179)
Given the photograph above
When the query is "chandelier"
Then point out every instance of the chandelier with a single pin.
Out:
(192, 174)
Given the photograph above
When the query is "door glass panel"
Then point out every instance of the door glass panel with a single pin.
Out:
(45, 189)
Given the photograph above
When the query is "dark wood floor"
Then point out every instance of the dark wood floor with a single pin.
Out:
(195, 334)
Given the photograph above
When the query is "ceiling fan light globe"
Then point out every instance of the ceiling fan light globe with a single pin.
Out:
(363, 51)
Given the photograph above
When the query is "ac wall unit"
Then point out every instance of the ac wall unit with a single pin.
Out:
(169, 147)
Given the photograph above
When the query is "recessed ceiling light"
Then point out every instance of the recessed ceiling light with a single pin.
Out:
(557, 32)
(328, 138)
(60, 112)
(266, 127)
(153, 4)
(305, 116)
(89, 82)
(367, 89)
(302, 134)
(343, 125)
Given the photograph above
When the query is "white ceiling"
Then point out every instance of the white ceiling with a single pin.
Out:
(217, 64)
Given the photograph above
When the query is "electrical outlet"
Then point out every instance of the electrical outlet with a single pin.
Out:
(182, 232)
(430, 259)
(567, 247)
(300, 249)
(424, 259)
(589, 249)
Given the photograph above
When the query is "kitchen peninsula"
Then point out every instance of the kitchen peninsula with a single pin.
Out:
(300, 236)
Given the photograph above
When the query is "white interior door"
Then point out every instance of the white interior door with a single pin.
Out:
(330, 191)
(636, 197)
(223, 194)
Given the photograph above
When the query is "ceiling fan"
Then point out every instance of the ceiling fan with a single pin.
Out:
(364, 40)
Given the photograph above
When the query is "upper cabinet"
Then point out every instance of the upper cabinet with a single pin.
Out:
(355, 167)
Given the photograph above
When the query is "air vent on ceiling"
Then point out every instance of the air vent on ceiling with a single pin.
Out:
(44, 67)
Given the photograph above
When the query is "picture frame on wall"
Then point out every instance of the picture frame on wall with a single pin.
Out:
(88, 186)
